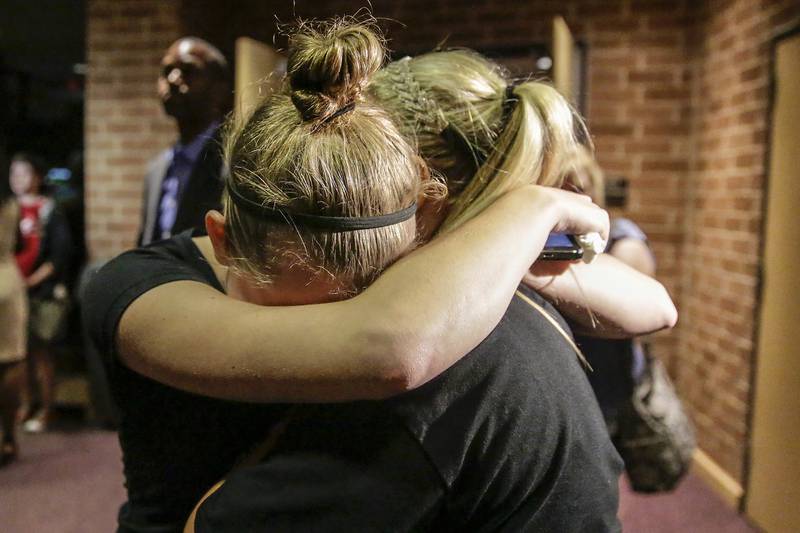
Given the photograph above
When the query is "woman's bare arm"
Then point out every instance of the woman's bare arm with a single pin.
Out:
(41, 274)
(635, 254)
(417, 319)
(607, 298)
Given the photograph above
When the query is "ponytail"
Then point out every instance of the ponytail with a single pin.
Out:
(537, 138)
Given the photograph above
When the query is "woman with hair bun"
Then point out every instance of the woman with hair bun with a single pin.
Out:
(320, 199)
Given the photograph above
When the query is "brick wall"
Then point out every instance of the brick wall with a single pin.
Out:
(636, 78)
(125, 126)
(730, 98)
(677, 104)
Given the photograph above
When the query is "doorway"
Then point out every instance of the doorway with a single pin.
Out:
(773, 488)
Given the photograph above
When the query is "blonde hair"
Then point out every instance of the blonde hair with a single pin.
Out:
(584, 174)
(318, 148)
(486, 135)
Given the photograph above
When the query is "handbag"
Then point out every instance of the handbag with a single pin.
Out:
(656, 438)
(48, 318)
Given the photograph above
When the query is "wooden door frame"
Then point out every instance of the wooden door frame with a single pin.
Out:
(747, 459)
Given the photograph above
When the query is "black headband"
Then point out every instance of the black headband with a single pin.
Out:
(317, 221)
(338, 113)
(509, 98)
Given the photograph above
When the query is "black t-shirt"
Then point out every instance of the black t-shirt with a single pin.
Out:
(509, 439)
(175, 445)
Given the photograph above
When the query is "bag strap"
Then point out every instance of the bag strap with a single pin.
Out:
(263, 448)
(542, 311)
(251, 458)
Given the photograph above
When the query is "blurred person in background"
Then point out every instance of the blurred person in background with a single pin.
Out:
(183, 182)
(618, 363)
(66, 188)
(13, 325)
(44, 259)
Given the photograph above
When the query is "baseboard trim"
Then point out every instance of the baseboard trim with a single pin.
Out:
(720, 481)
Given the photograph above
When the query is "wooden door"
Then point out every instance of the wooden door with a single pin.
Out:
(569, 64)
(259, 71)
(773, 497)
(563, 51)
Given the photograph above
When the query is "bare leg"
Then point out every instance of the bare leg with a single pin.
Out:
(12, 384)
(44, 375)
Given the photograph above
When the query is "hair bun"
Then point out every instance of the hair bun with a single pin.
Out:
(330, 63)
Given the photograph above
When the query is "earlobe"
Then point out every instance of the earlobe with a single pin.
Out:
(425, 181)
(215, 227)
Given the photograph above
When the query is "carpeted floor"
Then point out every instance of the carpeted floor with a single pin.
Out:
(70, 481)
(64, 482)
(691, 508)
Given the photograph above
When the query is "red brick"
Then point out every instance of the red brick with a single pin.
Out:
(666, 93)
(612, 129)
(651, 76)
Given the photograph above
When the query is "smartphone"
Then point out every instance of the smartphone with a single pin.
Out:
(561, 247)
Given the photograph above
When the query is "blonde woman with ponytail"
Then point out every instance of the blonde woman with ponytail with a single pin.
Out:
(484, 134)
(319, 201)
(487, 135)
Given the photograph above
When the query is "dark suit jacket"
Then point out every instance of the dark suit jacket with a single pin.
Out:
(203, 191)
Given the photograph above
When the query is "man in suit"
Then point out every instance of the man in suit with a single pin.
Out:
(183, 182)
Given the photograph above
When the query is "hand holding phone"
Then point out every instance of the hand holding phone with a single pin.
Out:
(561, 247)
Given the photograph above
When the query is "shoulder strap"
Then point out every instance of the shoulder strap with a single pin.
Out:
(263, 448)
(542, 311)
(253, 457)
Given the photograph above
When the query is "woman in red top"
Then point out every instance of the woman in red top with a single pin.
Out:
(45, 253)
(25, 178)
